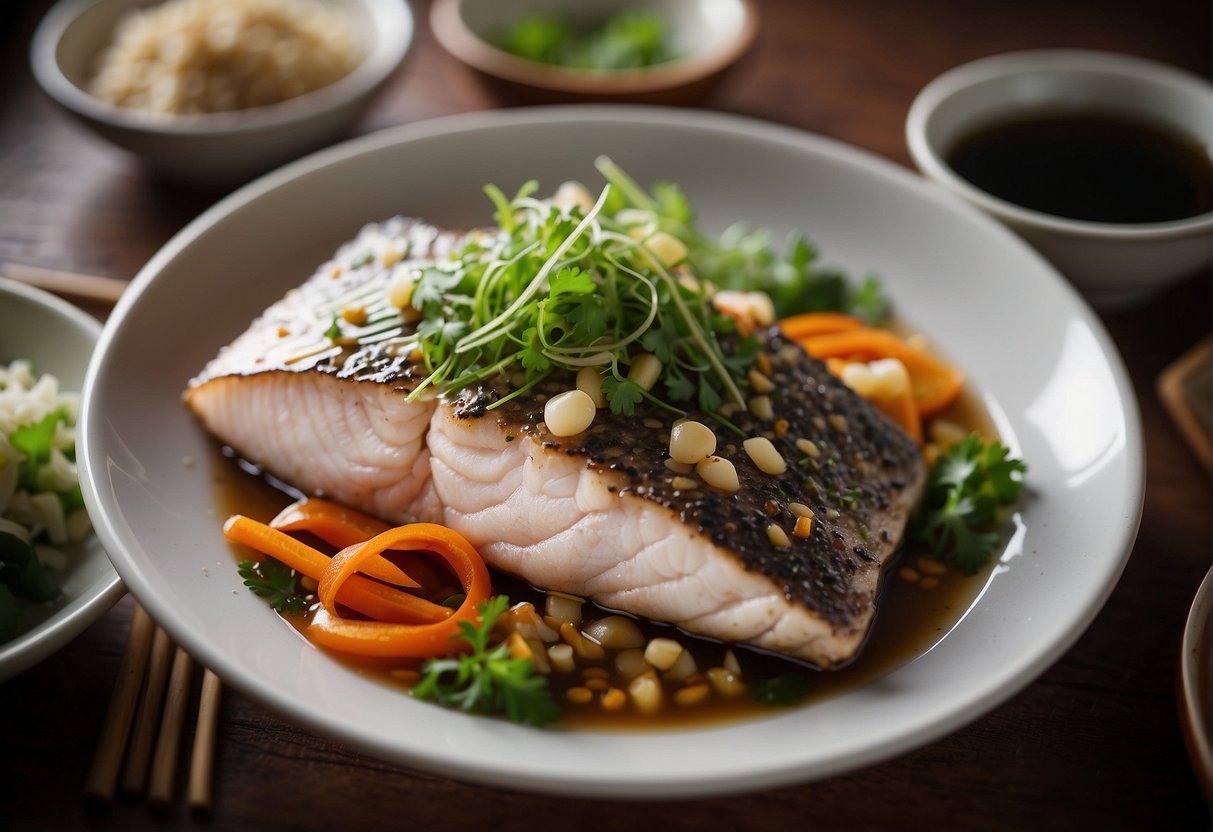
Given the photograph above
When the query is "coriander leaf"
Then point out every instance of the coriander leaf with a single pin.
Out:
(274, 581)
(966, 487)
(708, 398)
(672, 203)
(622, 395)
(334, 330)
(488, 680)
(869, 302)
(677, 385)
(785, 690)
(587, 318)
(34, 441)
(571, 281)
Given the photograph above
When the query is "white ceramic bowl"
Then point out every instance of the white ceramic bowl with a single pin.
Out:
(710, 35)
(1113, 265)
(217, 149)
(59, 339)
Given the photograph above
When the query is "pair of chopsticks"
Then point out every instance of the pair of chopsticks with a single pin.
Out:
(142, 729)
(141, 736)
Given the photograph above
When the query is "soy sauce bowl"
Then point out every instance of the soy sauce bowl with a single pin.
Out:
(1115, 265)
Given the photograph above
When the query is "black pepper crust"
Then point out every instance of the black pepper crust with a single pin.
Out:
(860, 487)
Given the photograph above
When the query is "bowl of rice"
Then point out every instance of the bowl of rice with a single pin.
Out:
(214, 92)
(55, 578)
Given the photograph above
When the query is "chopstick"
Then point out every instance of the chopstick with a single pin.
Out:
(140, 751)
(103, 776)
(81, 286)
(154, 672)
(202, 761)
(164, 763)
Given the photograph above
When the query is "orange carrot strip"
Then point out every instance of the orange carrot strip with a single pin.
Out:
(341, 527)
(377, 638)
(362, 594)
(903, 410)
(331, 522)
(818, 323)
(934, 383)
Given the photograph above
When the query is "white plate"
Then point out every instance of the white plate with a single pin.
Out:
(59, 338)
(1196, 684)
(1041, 362)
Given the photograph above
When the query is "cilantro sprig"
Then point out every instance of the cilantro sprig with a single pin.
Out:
(965, 489)
(274, 581)
(564, 288)
(488, 679)
(748, 259)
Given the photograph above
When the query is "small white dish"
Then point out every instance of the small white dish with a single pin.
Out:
(709, 35)
(1113, 264)
(1060, 398)
(59, 338)
(218, 149)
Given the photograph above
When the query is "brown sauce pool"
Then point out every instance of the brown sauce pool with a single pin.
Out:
(911, 618)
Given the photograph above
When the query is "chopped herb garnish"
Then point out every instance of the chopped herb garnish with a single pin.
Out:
(966, 487)
(566, 287)
(630, 39)
(274, 581)
(334, 330)
(748, 259)
(785, 690)
(488, 679)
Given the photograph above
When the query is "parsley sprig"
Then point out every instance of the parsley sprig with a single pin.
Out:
(488, 679)
(748, 259)
(965, 489)
(274, 581)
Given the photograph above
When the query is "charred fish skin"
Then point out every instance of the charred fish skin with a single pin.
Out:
(295, 333)
(598, 514)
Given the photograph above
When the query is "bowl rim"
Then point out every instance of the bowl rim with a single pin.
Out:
(450, 30)
(1036, 62)
(35, 645)
(393, 30)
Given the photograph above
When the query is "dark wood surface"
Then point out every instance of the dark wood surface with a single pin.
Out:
(1094, 743)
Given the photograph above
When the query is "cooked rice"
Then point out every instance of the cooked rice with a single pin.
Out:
(208, 56)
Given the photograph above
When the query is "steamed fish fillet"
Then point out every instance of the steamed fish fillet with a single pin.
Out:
(558, 523)
(327, 419)
(599, 514)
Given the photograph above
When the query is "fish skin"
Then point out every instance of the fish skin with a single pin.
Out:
(594, 515)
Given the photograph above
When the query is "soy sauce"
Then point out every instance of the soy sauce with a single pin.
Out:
(1089, 167)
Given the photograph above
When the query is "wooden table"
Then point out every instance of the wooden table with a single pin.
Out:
(1094, 743)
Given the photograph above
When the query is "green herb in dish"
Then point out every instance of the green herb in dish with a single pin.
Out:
(488, 680)
(966, 487)
(273, 581)
(627, 40)
(747, 259)
(41, 507)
